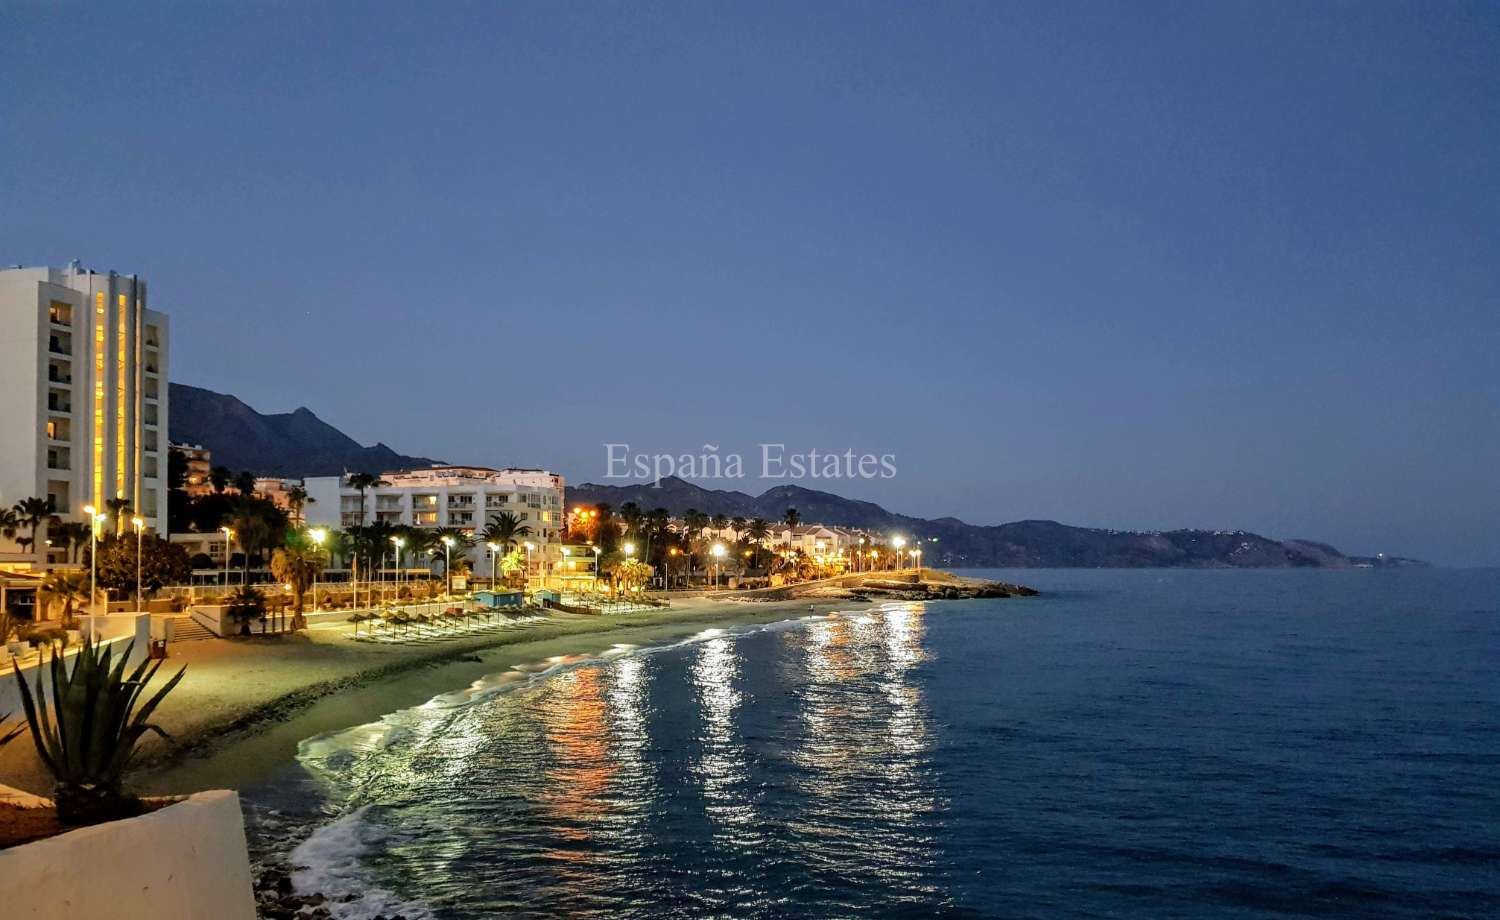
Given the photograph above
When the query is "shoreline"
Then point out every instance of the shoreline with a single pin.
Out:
(245, 706)
(266, 742)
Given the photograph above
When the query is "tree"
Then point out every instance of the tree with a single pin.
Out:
(297, 499)
(297, 564)
(10, 522)
(162, 563)
(630, 573)
(245, 604)
(757, 531)
(258, 525)
(452, 546)
(63, 589)
(364, 482)
(720, 523)
(32, 513)
(117, 508)
(504, 529)
(71, 534)
(791, 517)
(632, 516)
(244, 483)
(219, 478)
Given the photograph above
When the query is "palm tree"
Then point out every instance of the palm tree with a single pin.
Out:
(364, 482)
(296, 564)
(253, 532)
(64, 588)
(720, 522)
(32, 513)
(632, 515)
(244, 483)
(219, 478)
(117, 508)
(504, 529)
(791, 517)
(9, 523)
(757, 531)
(695, 521)
(71, 534)
(296, 499)
(738, 523)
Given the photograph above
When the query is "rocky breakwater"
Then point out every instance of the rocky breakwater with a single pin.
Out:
(923, 586)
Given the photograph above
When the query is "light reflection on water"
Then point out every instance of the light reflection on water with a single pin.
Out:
(734, 775)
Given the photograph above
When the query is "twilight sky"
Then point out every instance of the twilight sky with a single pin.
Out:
(1124, 265)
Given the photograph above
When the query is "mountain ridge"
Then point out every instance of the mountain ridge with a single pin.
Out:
(294, 444)
(1018, 544)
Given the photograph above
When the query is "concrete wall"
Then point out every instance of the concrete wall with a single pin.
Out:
(122, 631)
(187, 860)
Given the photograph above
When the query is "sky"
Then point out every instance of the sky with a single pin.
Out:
(1224, 265)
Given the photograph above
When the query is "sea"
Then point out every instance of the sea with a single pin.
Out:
(1132, 743)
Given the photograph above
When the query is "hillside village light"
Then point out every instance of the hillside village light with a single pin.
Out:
(228, 538)
(718, 554)
(140, 528)
(317, 535)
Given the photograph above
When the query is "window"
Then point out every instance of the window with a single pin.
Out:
(59, 313)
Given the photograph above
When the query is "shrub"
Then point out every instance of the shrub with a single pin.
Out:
(90, 737)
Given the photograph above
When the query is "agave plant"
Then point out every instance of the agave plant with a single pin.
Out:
(90, 737)
(6, 737)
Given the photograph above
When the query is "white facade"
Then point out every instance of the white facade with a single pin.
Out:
(464, 497)
(83, 394)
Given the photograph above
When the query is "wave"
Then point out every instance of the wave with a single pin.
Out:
(329, 863)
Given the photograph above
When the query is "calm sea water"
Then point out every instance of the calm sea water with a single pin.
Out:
(1133, 744)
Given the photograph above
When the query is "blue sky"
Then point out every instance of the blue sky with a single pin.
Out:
(1145, 265)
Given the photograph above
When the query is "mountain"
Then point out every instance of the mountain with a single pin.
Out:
(1021, 544)
(291, 444)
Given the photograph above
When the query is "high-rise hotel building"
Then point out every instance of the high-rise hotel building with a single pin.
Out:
(83, 395)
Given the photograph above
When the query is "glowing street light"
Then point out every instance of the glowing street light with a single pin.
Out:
(228, 539)
(494, 558)
(317, 535)
(448, 565)
(629, 549)
(898, 542)
(398, 542)
(718, 554)
(529, 547)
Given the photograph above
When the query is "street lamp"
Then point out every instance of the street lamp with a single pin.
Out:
(228, 538)
(317, 535)
(529, 547)
(718, 554)
(857, 563)
(94, 517)
(399, 542)
(898, 542)
(494, 560)
(140, 528)
(448, 566)
(597, 551)
(629, 549)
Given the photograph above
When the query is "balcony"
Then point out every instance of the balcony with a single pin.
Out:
(460, 501)
(59, 376)
(59, 346)
(59, 405)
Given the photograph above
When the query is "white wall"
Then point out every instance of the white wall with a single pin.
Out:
(187, 860)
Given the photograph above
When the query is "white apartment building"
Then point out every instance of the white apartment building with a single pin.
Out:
(83, 395)
(464, 497)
